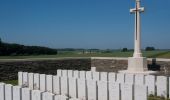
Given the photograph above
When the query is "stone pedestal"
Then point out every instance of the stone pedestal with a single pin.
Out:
(137, 64)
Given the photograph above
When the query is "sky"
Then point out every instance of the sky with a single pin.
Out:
(101, 24)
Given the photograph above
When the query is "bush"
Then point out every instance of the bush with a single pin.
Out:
(149, 49)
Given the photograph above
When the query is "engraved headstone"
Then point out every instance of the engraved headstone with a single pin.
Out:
(96, 76)
(36, 95)
(89, 75)
(70, 73)
(92, 89)
(82, 89)
(76, 74)
(16, 93)
(120, 78)
(20, 78)
(82, 74)
(59, 72)
(140, 92)
(103, 76)
(8, 92)
(31, 80)
(26, 94)
(56, 85)
(64, 86)
(162, 86)
(150, 82)
(114, 91)
(72, 87)
(127, 91)
(102, 90)
(60, 97)
(129, 78)
(64, 73)
(49, 82)
(25, 79)
(36, 81)
(2, 91)
(47, 96)
(42, 82)
(112, 77)
(139, 79)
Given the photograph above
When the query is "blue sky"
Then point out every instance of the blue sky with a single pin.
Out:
(103, 24)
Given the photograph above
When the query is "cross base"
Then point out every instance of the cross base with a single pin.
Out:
(137, 64)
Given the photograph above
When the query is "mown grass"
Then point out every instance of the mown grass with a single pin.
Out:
(156, 98)
(13, 82)
(149, 54)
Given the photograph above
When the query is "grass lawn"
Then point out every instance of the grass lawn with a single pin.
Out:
(13, 82)
(149, 54)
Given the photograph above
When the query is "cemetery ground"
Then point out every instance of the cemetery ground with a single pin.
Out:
(148, 54)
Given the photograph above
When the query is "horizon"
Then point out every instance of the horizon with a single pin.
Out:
(83, 24)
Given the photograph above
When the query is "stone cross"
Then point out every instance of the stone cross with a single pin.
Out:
(137, 10)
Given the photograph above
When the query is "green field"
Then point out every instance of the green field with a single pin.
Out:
(149, 54)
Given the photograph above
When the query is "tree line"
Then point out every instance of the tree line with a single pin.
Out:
(7, 49)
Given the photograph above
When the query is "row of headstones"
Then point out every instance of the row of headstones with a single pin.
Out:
(157, 85)
(82, 88)
(9, 92)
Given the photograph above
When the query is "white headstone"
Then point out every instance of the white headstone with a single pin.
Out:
(47, 96)
(82, 89)
(70, 73)
(36, 81)
(36, 95)
(103, 76)
(120, 78)
(93, 69)
(127, 91)
(139, 79)
(129, 78)
(64, 73)
(20, 78)
(2, 91)
(82, 74)
(16, 93)
(26, 94)
(89, 75)
(114, 91)
(162, 86)
(49, 83)
(72, 87)
(8, 92)
(42, 82)
(56, 85)
(60, 97)
(102, 90)
(31, 80)
(92, 89)
(96, 76)
(112, 77)
(76, 74)
(140, 92)
(64, 86)
(25, 79)
(150, 82)
(59, 72)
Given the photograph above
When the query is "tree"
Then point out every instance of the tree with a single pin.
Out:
(0, 41)
(149, 49)
(124, 50)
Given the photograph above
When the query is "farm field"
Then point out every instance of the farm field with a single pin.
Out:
(149, 54)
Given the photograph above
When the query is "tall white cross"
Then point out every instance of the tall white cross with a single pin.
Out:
(137, 10)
